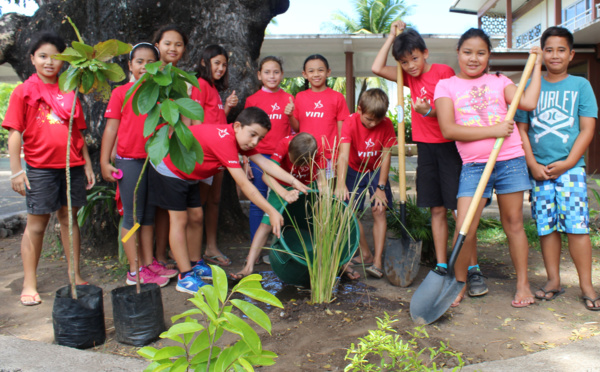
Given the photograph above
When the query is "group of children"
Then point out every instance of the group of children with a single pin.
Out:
(290, 144)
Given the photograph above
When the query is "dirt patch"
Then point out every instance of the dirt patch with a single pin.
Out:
(315, 337)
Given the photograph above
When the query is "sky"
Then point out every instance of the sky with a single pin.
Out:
(309, 16)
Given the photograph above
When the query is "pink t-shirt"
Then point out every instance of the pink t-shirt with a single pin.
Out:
(304, 173)
(426, 129)
(480, 102)
(273, 103)
(318, 114)
(208, 97)
(366, 144)
(220, 151)
(131, 142)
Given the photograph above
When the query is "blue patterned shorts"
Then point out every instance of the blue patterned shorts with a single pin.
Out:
(561, 204)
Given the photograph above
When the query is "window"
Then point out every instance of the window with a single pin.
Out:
(577, 15)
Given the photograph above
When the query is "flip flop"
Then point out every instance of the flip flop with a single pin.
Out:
(219, 259)
(357, 261)
(351, 275)
(375, 272)
(555, 293)
(593, 301)
(33, 301)
(520, 304)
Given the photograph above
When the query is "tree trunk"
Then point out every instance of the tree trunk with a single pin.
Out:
(237, 25)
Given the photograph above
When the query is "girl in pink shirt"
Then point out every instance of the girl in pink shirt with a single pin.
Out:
(471, 108)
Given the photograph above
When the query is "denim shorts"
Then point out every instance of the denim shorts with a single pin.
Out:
(508, 176)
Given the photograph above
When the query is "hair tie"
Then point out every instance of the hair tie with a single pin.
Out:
(140, 44)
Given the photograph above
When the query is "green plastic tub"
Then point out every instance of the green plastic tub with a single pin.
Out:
(287, 254)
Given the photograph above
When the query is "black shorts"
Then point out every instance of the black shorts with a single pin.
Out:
(438, 175)
(358, 182)
(172, 194)
(48, 191)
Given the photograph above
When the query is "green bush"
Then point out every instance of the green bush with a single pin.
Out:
(5, 92)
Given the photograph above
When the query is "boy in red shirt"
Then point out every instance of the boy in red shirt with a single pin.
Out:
(438, 163)
(178, 192)
(364, 162)
(298, 155)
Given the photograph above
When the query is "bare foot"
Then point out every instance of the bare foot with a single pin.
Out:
(523, 297)
(458, 300)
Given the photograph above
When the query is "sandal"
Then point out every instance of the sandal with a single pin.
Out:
(357, 261)
(553, 292)
(219, 259)
(35, 299)
(593, 301)
(375, 272)
(350, 275)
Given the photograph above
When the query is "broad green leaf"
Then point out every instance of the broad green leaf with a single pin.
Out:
(244, 363)
(219, 282)
(83, 49)
(190, 108)
(236, 352)
(70, 55)
(185, 327)
(261, 295)
(250, 281)
(202, 357)
(152, 121)
(123, 48)
(87, 81)
(152, 366)
(170, 112)
(184, 134)
(210, 294)
(163, 78)
(148, 96)
(199, 302)
(168, 352)
(197, 149)
(253, 312)
(189, 312)
(105, 50)
(249, 335)
(186, 76)
(114, 72)
(178, 89)
(171, 336)
(152, 68)
(158, 145)
(201, 342)
(132, 90)
(147, 352)
(180, 365)
(225, 359)
(261, 360)
(163, 367)
(182, 158)
(231, 328)
(69, 80)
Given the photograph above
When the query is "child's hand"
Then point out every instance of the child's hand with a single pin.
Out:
(276, 220)
(107, 171)
(538, 51)
(289, 108)
(557, 168)
(232, 100)
(379, 200)
(342, 193)
(539, 172)
(89, 174)
(396, 27)
(504, 128)
(422, 106)
(299, 186)
(19, 183)
(290, 196)
(247, 167)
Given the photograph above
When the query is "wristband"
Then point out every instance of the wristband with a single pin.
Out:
(428, 112)
(17, 174)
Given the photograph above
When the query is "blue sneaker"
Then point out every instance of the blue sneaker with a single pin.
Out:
(189, 284)
(202, 270)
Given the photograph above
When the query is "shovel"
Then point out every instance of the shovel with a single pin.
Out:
(437, 292)
(402, 256)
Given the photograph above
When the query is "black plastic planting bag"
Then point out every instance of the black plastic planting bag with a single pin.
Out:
(139, 317)
(79, 323)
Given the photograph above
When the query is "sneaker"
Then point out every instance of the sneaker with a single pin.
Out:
(189, 284)
(147, 276)
(440, 270)
(475, 283)
(202, 270)
(160, 270)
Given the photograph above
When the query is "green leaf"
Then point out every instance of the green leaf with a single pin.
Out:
(202, 305)
(182, 158)
(132, 90)
(201, 342)
(180, 365)
(185, 327)
(170, 112)
(249, 335)
(225, 359)
(178, 88)
(83, 49)
(87, 80)
(210, 295)
(189, 312)
(158, 145)
(70, 55)
(148, 96)
(219, 282)
(202, 357)
(163, 78)
(190, 108)
(186, 76)
(114, 72)
(253, 312)
(261, 295)
(152, 68)
(184, 134)
(123, 48)
(152, 121)
(147, 352)
(105, 50)
(169, 352)
(266, 359)
(69, 80)
(197, 149)
(244, 363)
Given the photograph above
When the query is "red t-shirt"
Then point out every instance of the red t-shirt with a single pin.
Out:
(274, 105)
(366, 144)
(318, 114)
(131, 142)
(220, 151)
(426, 129)
(208, 97)
(304, 173)
(44, 134)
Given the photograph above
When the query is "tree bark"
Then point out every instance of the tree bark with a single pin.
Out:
(237, 25)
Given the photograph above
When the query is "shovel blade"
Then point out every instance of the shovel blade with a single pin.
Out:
(434, 297)
(402, 260)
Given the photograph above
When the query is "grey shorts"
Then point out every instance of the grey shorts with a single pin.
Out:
(48, 191)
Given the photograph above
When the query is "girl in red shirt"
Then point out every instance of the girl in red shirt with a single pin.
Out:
(279, 105)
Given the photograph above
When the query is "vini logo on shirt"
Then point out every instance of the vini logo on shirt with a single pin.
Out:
(314, 114)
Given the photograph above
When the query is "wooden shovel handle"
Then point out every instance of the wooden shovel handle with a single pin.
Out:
(401, 132)
(497, 145)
